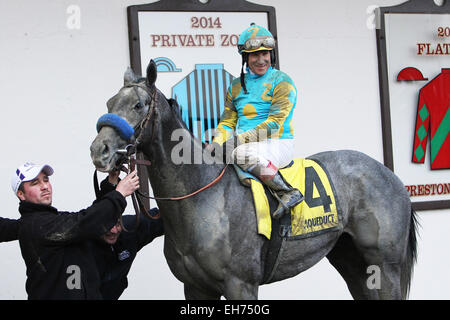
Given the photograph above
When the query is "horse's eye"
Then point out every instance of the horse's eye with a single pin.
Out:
(138, 106)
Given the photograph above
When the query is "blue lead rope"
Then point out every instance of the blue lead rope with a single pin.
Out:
(119, 124)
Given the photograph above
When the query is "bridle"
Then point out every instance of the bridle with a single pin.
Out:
(129, 152)
(129, 156)
(143, 124)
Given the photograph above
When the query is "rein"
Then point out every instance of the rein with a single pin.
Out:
(191, 194)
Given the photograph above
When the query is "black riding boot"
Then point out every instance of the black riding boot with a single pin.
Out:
(288, 196)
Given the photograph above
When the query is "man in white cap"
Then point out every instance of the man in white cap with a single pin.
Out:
(35, 178)
(59, 259)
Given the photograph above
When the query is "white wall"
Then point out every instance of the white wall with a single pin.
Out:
(55, 82)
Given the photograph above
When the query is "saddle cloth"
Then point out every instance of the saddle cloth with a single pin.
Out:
(316, 214)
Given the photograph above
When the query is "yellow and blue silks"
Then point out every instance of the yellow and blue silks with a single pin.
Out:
(266, 110)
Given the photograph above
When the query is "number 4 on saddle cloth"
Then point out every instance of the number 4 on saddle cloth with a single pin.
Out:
(319, 211)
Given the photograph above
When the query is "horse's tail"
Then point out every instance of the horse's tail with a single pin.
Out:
(411, 256)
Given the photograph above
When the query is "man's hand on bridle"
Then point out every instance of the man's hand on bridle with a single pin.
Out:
(113, 177)
(129, 184)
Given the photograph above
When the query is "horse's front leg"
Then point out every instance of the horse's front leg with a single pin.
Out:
(193, 293)
(237, 289)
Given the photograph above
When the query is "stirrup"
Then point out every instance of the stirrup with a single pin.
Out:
(284, 207)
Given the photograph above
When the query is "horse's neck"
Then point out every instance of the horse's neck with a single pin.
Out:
(177, 159)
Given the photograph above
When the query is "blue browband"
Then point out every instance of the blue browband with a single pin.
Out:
(119, 124)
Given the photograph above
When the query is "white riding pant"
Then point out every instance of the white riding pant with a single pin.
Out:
(278, 151)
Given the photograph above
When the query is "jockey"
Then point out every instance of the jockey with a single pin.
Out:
(256, 124)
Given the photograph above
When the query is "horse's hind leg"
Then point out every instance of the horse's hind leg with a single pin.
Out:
(368, 272)
(348, 261)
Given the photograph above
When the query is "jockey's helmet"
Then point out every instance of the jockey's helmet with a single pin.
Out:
(255, 38)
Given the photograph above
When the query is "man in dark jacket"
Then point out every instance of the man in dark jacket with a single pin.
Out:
(59, 258)
(9, 229)
(116, 250)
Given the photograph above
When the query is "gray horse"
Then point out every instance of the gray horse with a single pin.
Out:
(211, 243)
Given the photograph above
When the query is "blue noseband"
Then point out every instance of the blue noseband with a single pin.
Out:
(119, 124)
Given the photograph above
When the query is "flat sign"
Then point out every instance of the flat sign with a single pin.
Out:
(414, 61)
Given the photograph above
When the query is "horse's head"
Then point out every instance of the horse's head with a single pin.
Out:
(122, 125)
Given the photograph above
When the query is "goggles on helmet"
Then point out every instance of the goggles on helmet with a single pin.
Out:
(255, 44)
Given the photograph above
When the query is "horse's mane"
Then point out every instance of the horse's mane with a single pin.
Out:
(174, 107)
(176, 111)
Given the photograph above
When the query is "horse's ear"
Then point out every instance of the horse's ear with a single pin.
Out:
(151, 73)
(129, 77)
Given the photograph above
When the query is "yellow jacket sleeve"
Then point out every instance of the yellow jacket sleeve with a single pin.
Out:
(228, 121)
(284, 98)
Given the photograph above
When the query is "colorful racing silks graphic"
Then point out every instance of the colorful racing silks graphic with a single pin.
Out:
(433, 116)
(201, 97)
(164, 64)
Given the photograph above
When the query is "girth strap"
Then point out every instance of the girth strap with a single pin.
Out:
(275, 246)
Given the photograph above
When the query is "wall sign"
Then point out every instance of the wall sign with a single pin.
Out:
(193, 43)
(414, 67)
(194, 46)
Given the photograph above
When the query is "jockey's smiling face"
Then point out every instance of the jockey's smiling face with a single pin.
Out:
(259, 62)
